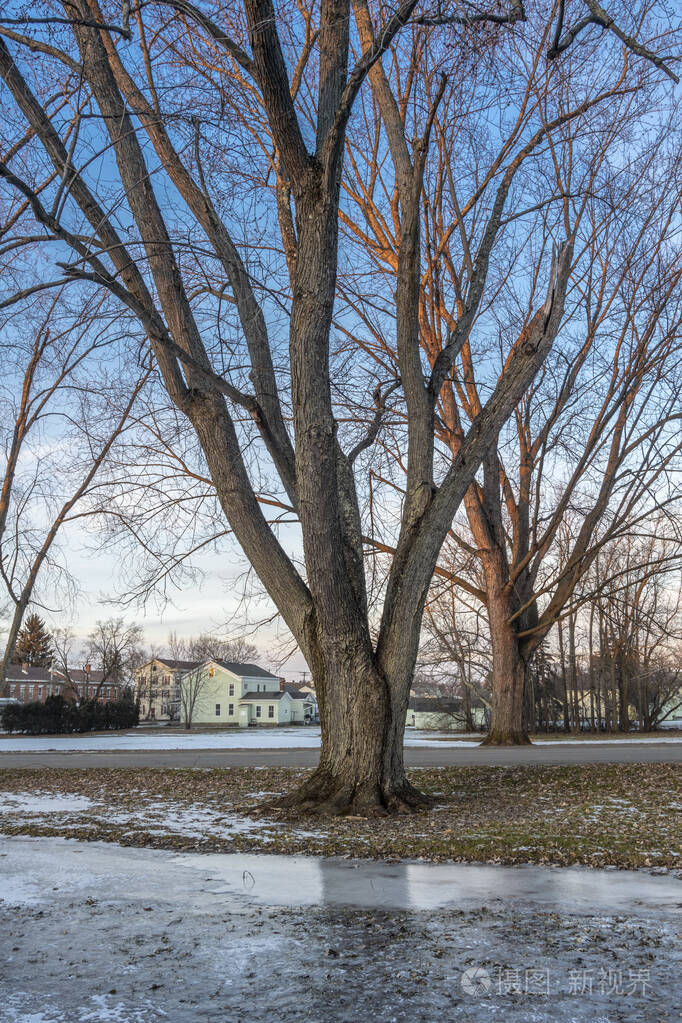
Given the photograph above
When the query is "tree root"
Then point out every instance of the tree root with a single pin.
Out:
(499, 738)
(324, 795)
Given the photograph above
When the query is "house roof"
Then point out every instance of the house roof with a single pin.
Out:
(263, 697)
(78, 675)
(173, 663)
(291, 691)
(295, 693)
(240, 670)
(436, 705)
(17, 673)
(247, 670)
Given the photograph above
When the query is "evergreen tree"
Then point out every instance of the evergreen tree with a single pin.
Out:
(34, 643)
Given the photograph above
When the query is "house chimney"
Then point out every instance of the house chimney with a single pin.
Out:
(282, 683)
(24, 667)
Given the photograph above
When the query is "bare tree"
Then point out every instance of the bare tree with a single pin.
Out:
(456, 650)
(634, 631)
(209, 647)
(59, 428)
(114, 647)
(595, 435)
(196, 686)
(290, 133)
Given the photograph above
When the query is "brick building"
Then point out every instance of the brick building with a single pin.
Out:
(27, 683)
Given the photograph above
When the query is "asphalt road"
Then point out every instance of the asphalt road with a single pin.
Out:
(614, 752)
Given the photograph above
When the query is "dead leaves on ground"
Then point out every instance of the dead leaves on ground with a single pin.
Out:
(627, 815)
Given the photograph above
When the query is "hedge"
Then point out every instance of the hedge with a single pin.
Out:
(57, 716)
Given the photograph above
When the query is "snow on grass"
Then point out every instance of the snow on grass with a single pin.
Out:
(242, 738)
(593, 814)
(42, 802)
(196, 821)
(153, 817)
(251, 738)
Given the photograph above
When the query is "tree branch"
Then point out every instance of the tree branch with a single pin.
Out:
(373, 430)
(598, 16)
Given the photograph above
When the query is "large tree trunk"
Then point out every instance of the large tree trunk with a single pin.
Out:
(363, 694)
(361, 769)
(507, 725)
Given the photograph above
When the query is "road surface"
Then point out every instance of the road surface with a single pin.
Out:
(613, 752)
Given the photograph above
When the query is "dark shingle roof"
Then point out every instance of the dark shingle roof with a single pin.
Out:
(78, 675)
(247, 670)
(17, 673)
(292, 691)
(295, 693)
(174, 664)
(262, 697)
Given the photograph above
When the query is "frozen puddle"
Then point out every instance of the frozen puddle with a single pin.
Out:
(93, 932)
(297, 881)
(307, 737)
(277, 881)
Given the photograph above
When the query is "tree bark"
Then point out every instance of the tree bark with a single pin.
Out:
(507, 727)
(361, 769)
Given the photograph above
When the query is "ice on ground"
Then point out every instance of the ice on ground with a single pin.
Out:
(96, 1009)
(197, 821)
(277, 880)
(140, 935)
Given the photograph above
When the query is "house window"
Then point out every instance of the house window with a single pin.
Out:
(230, 691)
(271, 710)
(40, 692)
(217, 710)
(230, 709)
(211, 672)
(259, 710)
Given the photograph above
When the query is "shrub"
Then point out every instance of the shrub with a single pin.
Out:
(56, 716)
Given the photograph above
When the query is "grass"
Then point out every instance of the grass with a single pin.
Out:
(625, 815)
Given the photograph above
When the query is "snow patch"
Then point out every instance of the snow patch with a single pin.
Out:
(260, 739)
(42, 802)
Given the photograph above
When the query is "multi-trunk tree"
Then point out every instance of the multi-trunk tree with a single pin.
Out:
(257, 134)
(595, 452)
(596, 434)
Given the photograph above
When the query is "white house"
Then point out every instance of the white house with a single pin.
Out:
(157, 687)
(441, 713)
(243, 695)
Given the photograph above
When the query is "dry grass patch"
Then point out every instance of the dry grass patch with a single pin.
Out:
(627, 815)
